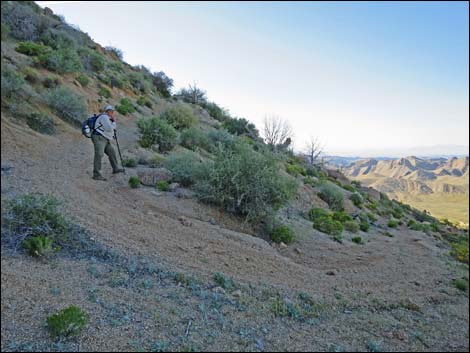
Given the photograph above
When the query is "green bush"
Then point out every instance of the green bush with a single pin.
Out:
(351, 226)
(117, 82)
(393, 223)
(41, 123)
(162, 83)
(460, 251)
(57, 39)
(125, 107)
(67, 322)
(341, 216)
(185, 167)
(364, 226)
(155, 131)
(357, 199)
(240, 126)
(162, 185)
(356, 183)
(104, 92)
(282, 234)
(312, 171)
(224, 282)
(96, 61)
(221, 138)
(316, 213)
(11, 81)
(328, 225)
(372, 217)
(245, 182)
(83, 80)
(308, 180)
(180, 117)
(134, 182)
(129, 162)
(193, 138)
(215, 111)
(156, 161)
(31, 49)
(31, 75)
(61, 61)
(295, 169)
(68, 105)
(357, 240)
(460, 284)
(40, 246)
(332, 195)
(115, 51)
(51, 82)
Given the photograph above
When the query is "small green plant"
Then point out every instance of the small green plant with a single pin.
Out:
(312, 171)
(104, 92)
(68, 322)
(460, 284)
(328, 225)
(282, 234)
(316, 213)
(357, 240)
(31, 75)
(41, 123)
(351, 226)
(193, 138)
(332, 195)
(129, 162)
(163, 185)
(341, 216)
(364, 226)
(180, 117)
(393, 223)
(134, 182)
(224, 282)
(144, 101)
(125, 107)
(295, 169)
(357, 199)
(61, 61)
(12, 82)
(156, 160)
(185, 167)
(83, 80)
(460, 250)
(51, 82)
(155, 131)
(40, 246)
(31, 49)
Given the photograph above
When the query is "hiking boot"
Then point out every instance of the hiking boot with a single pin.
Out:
(99, 177)
(118, 171)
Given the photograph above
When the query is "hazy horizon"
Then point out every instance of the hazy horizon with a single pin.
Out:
(359, 76)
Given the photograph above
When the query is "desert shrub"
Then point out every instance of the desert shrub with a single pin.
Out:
(51, 81)
(33, 216)
(40, 122)
(115, 51)
(96, 61)
(240, 126)
(156, 160)
(11, 81)
(68, 105)
(162, 185)
(308, 180)
(216, 112)
(162, 83)
(397, 211)
(134, 182)
(357, 199)
(224, 282)
(328, 225)
(61, 61)
(185, 167)
(193, 138)
(221, 137)
(180, 117)
(21, 20)
(316, 213)
(139, 82)
(460, 251)
(245, 182)
(115, 81)
(356, 183)
(83, 80)
(40, 246)
(372, 217)
(348, 187)
(351, 226)
(332, 195)
(341, 216)
(31, 49)
(460, 284)
(155, 131)
(115, 66)
(282, 234)
(67, 322)
(312, 171)
(295, 169)
(125, 107)
(393, 223)
(129, 162)
(104, 92)
(357, 240)
(141, 100)
(57, 39)
(364, 226)
(31, 75)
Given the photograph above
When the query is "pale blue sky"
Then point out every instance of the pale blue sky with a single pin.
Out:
(360, 76)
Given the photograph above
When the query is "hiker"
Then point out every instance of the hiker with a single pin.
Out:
(104, 132)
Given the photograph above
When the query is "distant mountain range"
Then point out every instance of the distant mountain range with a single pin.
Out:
(444, 151)
(419, 181)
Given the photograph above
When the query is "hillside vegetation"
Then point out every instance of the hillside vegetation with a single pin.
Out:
(215, 238)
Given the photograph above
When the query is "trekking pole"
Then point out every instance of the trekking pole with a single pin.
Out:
(119, 150)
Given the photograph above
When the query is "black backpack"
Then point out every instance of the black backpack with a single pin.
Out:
(88, 126)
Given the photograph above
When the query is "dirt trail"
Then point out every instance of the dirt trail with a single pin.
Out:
(144, 222)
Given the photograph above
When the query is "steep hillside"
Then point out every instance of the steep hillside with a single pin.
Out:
(210, 241)
(430, 184)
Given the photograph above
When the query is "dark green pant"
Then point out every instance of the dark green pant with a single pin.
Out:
(103, 145)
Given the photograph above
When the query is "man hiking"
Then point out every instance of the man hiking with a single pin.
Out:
(102, 135)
